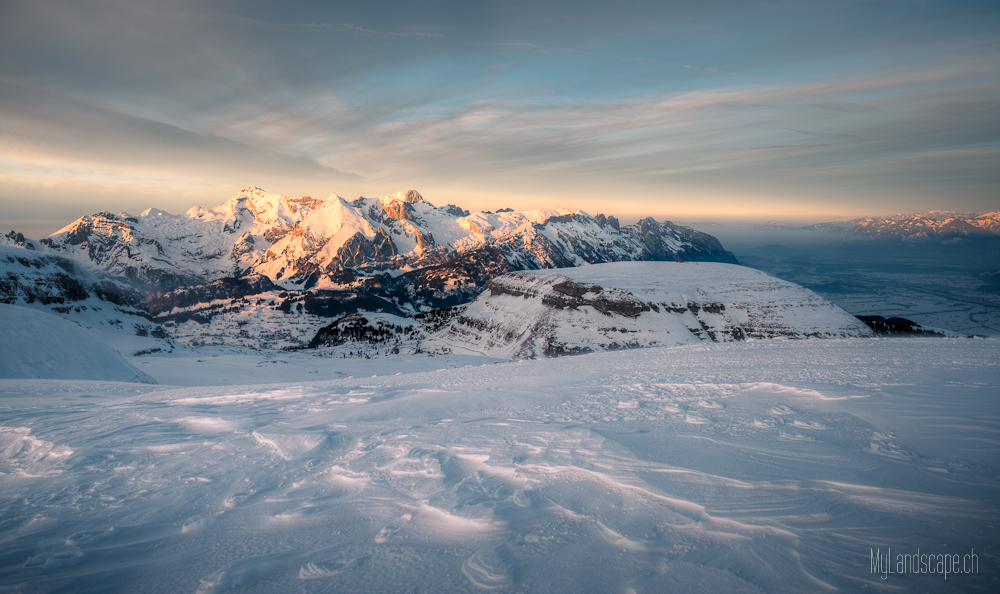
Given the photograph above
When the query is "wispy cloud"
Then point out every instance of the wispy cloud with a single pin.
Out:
(57, 148)
(345, 28)
(642, 99)
(781, 136)
(645, 63)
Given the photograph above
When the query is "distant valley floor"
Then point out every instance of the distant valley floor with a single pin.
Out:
(954, 285)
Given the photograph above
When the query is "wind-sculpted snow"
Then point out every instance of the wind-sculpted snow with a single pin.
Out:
(34, 344)
(772, 466)
(636, 304)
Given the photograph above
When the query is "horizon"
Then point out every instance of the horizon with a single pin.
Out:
(772, 110)
(40, 228)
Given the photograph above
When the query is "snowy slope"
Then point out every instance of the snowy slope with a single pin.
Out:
(104, 305)
(765, 466)
(636, 304)
(34, 344)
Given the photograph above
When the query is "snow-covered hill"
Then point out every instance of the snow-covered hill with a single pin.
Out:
(302, 243)
(929, 224)
(39, 345)
(102, 304)
(636, 304)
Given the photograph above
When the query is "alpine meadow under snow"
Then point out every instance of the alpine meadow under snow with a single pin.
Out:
(537, 401)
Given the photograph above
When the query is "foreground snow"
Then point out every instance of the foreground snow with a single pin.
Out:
(766, 465)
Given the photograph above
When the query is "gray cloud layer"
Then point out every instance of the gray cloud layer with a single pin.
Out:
(834, 102)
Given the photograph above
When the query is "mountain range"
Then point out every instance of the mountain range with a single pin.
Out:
(930, 224)
(268, 270)
(305, 243)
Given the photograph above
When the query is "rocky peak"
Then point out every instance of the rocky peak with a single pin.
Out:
(291, 239)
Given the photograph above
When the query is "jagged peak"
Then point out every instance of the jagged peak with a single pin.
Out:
(410, 196)
(251, 190)
(280, 236)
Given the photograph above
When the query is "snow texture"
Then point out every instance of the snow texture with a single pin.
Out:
(761, 466)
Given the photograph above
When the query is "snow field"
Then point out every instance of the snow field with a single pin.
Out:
(760, 466)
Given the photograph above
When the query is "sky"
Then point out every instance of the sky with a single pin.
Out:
(715, 109)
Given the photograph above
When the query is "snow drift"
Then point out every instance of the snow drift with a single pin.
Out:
(43, 346)
(764, 466)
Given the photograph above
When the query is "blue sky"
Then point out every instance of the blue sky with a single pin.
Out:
(713, 109)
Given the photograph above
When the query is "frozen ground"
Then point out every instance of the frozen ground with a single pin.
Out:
(226, 366)
(770, 466)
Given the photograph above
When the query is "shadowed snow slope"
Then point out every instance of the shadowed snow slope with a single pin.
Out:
(636, 304)
(40, 345)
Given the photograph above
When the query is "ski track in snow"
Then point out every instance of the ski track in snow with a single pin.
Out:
(763, 466)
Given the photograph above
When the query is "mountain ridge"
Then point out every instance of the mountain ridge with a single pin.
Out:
(612, 306)
(303, 243)
(914, 225)
(267, 270)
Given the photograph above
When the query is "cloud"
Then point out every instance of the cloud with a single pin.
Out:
(782, 138)
(631, 61)
(345, 28)
(544, 99)
(44, 124)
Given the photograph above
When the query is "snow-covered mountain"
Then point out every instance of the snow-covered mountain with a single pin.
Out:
(104, 305)
(530, 314)
(635, 304)
(303, 243)
(930, 224)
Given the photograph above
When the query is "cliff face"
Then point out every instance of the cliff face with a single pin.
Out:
(635, 304)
